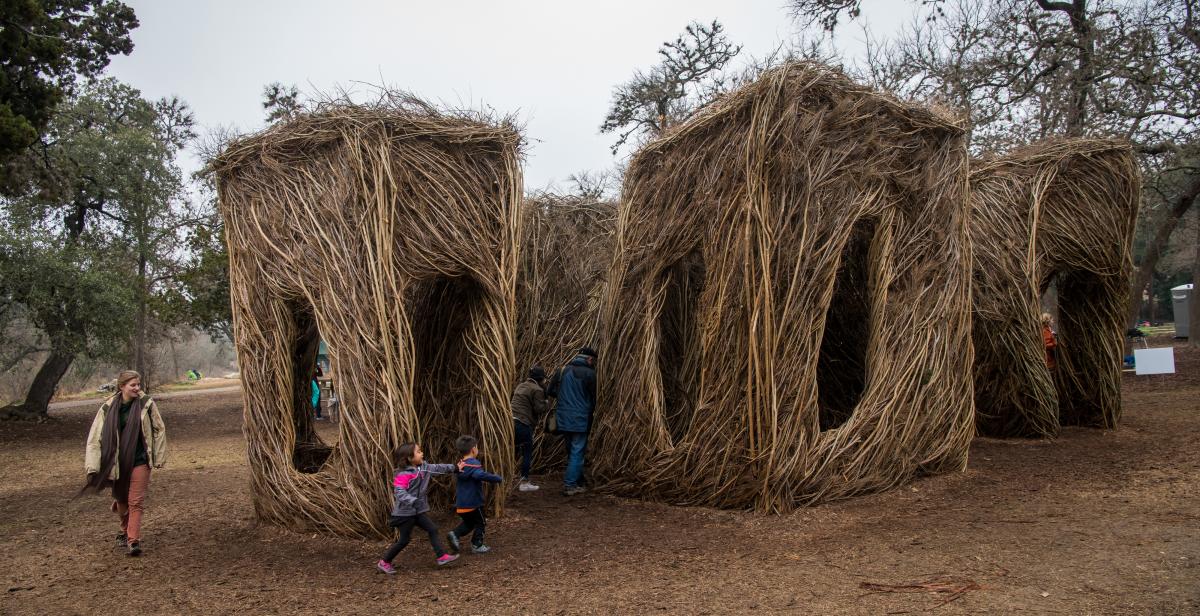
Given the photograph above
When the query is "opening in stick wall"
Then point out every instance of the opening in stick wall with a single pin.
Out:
(441, 312)
(311, 451)
(679, 349)
(842, 364)
(1081, 397)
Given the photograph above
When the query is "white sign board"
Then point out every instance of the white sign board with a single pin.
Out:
(1154, 361)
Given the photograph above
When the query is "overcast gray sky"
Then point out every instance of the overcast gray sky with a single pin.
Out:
(554, 63)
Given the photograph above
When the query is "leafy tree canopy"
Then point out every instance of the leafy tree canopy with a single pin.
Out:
(47, 46)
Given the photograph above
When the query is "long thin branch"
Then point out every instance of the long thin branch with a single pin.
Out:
(1065, 7)
(11, 24)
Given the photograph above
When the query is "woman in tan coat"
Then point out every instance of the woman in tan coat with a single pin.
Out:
(127, 439)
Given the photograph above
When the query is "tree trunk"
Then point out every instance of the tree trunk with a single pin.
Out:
(37, 400)
(1145, 271)
(174, 359)
(139, 337)
(1194, 300)
(1085, 72)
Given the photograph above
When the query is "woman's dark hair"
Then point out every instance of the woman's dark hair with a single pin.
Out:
(403, 454)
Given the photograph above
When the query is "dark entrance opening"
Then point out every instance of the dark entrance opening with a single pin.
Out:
(679, 342)
(446, 374)
(311, 451)
(1088, 312)
(842, 363)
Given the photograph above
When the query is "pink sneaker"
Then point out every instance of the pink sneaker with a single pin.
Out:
(385, 567)
(446, 559)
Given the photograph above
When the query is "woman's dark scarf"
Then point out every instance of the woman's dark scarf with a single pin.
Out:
(109, 449)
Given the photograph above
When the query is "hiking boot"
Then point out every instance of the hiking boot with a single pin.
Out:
(446, 559)
(527, 486)
(453, 539)
(385, 567)
(122, 541)
(480, 549)
(135, 548)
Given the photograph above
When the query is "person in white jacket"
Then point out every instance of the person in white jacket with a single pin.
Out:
(127, 439)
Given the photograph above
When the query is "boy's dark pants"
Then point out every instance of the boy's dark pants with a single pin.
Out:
(405, 524)
(472, 520)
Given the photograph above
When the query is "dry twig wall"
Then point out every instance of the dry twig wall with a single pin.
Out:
(787, 317)
(783, 300)
(566, 246)
(392, 230)
(1059, 212)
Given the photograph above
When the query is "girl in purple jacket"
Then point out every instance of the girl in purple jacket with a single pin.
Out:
(410, 487)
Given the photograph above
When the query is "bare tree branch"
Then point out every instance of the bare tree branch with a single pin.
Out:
(688, 77)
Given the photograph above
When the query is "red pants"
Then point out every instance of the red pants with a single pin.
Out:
(131, 512)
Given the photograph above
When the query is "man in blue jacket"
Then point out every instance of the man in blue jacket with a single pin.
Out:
(574, 386)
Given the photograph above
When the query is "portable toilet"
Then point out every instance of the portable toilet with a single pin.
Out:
(1181, 299)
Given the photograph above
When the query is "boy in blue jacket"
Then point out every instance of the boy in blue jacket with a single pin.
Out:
(469, 495)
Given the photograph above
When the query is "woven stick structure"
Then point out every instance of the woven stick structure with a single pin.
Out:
(1061, 212)
(566, 247)
(392, 230)
(788, 313)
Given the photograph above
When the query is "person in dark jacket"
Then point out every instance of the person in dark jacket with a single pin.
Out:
(468, 497)
(528, 403)
(574, 386)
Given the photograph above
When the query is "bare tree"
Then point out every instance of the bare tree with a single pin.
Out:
(1024, 71)
(826, 13)
(600, 185)
(688, 77)
(280, 101)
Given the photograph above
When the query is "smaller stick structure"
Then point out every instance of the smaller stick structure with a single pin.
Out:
(1058, 213)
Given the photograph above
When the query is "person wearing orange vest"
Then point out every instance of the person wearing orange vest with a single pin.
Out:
(1049, 340)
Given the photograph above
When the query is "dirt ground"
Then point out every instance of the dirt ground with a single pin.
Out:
(1091, 523)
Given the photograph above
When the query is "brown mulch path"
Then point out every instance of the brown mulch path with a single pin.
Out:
(1091, 523)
